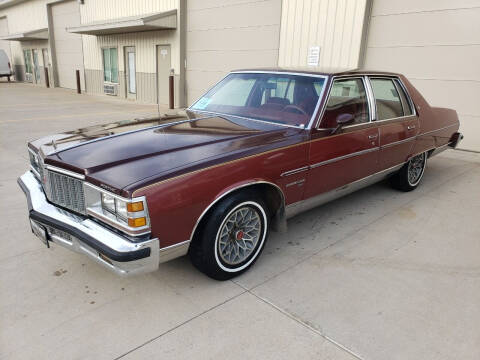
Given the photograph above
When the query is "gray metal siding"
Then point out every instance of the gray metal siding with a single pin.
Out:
(436, 44)
(226, 35)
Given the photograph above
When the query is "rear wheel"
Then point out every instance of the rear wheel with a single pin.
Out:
(232, 237)
(410, 175)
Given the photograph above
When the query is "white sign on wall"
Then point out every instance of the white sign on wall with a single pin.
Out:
(313, 55)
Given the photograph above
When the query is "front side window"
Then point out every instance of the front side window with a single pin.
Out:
(387, 99)
(274, 97)
(27, 54)
(347, 96)
(110, 65)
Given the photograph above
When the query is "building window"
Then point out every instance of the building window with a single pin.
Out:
(27, 54)
(110, 65)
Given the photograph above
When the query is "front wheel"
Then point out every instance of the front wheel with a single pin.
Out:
(233, 236)
(410, 175)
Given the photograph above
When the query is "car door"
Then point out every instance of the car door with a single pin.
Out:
(351, 153)
(396, 120)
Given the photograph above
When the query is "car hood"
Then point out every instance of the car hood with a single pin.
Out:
(124, 155)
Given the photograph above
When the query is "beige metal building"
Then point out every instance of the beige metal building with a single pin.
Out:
(129, 48)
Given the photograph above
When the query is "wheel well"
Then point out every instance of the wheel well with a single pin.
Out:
(271, 194)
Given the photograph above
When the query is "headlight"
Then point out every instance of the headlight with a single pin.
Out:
(35, 163)
(129, 215)
(108, 203)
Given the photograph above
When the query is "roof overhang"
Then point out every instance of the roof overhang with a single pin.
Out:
(157, 21)
(39, 34)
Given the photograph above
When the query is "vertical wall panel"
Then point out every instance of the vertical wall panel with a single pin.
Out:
(333, 25)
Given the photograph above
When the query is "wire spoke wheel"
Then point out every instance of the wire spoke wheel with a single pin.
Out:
(415, 169)
(239, 235)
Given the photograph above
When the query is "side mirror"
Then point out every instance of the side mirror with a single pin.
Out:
(343, 119)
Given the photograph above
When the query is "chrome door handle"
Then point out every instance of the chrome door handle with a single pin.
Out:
(410, 127)
(371, 137)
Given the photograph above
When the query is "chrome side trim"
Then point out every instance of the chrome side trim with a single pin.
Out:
(329, 161)
(174, 251)
(307, 204)
(371, 99)
(442, 128)
(398, 142)
(64, 172)
(294, 171)
(440, 149)
(298, 182)
(230, 191)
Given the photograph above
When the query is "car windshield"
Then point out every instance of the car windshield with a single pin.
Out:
(275, 97)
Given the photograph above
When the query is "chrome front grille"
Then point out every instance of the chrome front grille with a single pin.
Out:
(65, 191)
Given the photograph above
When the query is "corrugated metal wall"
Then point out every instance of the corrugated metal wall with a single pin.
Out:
(95, 10)
(335, 26)
(26, 16)
(29, 15)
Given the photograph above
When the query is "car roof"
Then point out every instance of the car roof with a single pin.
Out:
(319, 71)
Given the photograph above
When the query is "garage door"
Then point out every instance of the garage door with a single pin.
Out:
(436, 44)
(226, 35)
(68, 47)
(4, 45)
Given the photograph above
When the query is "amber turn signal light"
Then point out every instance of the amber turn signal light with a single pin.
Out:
(135, 206)
(137, 222)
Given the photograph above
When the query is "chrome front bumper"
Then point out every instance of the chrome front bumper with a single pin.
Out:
(86, 236)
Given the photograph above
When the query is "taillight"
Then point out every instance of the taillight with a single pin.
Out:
(9, 67)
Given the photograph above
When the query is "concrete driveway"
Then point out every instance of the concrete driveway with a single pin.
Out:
(378, 274)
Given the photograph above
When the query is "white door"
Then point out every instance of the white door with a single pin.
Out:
(68, 47)
(164, 64)
(130, 71)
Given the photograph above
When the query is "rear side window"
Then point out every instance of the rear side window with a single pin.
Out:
(387, 99)
(407, 110)
(346, 97)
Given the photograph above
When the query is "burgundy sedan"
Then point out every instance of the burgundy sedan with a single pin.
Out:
(256, 149)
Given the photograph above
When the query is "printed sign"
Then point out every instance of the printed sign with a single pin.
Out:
(313, 55)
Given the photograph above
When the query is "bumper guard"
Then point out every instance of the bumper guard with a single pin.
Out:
(85, 236)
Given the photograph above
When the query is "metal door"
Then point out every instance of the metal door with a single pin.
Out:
(130, 72)
(36, 67)
(46, 63)
(164, 64)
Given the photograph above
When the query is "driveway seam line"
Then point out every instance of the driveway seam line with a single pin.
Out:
(352, 232)
(181, 324)
(304, 324)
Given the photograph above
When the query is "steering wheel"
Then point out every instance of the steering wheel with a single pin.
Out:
(295, 108)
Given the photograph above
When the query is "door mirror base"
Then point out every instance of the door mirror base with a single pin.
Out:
(343, 119)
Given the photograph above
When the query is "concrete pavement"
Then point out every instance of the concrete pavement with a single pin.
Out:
(378, 274)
